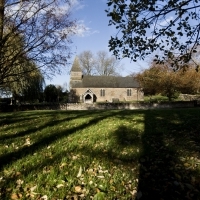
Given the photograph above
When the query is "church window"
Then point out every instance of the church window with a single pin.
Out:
(128, 92)
(102, 92)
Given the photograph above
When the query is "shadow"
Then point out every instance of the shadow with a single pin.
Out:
(47, 139)
(167, 164)
(31, 124)
(126, 137)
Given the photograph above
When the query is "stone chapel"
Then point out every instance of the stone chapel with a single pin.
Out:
(90, 89)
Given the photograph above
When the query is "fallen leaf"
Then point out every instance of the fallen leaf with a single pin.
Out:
(44, 197)
(78, 189)
(134, 192)
(62, 165)
(186, 164)
(60, 185)
(79, 172)
(100, 177)
(33, 188)
(19, 182)
(15, 196)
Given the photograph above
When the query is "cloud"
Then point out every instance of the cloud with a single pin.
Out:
(76, 4)
(166, 21)
(81, 30)
(158, 25)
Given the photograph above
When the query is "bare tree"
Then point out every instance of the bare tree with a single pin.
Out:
(87, 62)
(43, 27)
(106, 65)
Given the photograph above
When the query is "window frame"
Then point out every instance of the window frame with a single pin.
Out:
(129, 92)
(102, 92)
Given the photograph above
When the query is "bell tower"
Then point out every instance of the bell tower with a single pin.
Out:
(76, 74)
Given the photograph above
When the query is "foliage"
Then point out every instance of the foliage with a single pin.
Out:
(34, 31)
(54, 93)
(62, 93)
(155, 98)
(189, 80)
(102, 64)
(33, 92)
(127, 154)
(24, 82)
(147, 26)
(160, 78)
(51, 93)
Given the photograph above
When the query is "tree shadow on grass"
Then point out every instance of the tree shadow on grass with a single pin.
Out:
(9, 158)
(46, 139)
(169, 163)
(52, 121)
(168, 158)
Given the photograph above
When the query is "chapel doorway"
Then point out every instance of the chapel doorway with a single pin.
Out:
(88, 98)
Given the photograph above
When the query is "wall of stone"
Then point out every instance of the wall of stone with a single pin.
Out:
(100, 106)
(129, 106)
(189, 97)
(113, 93)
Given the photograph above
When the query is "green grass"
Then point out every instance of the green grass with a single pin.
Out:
(159, 98)
(100, 154)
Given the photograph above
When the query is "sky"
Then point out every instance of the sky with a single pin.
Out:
(94, 37)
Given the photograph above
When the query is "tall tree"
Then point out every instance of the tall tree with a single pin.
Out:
(189, 80)
(44, 28)
(106, 65)
(51, 93)
(99, 64)
(33, 90)
(160, 78)
(87, 62)
(146, 26)
(29, 85)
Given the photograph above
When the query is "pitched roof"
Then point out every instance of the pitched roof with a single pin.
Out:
(106, 82)
(76, 66)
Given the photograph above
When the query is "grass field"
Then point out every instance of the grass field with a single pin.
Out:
(138, 154)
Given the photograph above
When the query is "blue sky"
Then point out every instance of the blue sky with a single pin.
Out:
(93, 34)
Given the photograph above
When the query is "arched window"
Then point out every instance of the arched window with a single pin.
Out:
(128, 92)
(102, 92)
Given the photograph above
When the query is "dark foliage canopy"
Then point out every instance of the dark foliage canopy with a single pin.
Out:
(171, 27)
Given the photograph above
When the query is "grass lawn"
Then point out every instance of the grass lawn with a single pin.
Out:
(138, 154)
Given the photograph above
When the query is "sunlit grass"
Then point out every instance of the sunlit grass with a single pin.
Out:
(89, 154)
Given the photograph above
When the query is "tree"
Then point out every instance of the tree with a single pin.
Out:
(146, 26)
(28, 86)
(33, 91)
(100, 64)
(43, 27)
(159, 78)
(59, 93)
(189, 80)
(106, 65)
(87, 62)
(51, 93)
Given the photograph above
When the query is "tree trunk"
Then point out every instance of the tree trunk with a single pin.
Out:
(2, 3)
